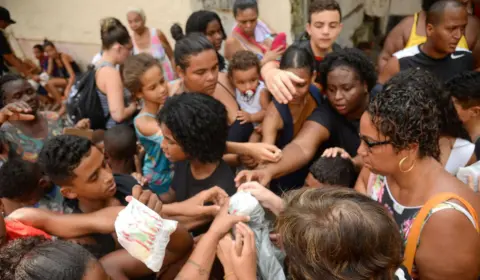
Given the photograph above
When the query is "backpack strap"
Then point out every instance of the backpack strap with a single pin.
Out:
(415, 230)
(315, 93)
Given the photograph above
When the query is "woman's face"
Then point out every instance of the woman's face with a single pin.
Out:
(51, 51)
(201, 74)
(247, 20)
(38, 53)
(21, 90)
(345, 91)
(215, 34)
(135, 21)
(301, 88)
(173, 151)
(377, 153)
(154, 87)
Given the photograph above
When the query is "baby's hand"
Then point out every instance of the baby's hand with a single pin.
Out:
(244, 117)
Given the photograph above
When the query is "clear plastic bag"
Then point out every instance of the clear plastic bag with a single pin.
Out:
(269, 258)
(144, 234)
(470, 171)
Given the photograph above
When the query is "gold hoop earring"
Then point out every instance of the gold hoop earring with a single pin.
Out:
(400, 164)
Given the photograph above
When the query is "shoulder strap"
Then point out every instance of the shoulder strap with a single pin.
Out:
(414, 235)
(253, 42)
(316, 94)
(145, 114)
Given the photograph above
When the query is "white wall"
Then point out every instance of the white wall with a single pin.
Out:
(74, 25)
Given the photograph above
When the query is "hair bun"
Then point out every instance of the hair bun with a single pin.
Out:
(107, 24)
(177, 32)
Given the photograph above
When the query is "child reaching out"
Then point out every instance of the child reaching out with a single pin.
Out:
(250, 92)
(143, 76)
(284, 121)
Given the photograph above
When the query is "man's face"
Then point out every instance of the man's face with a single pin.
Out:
(446, 34)
(324, 28)
(93, 179)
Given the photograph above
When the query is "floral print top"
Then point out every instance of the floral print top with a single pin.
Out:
(404, 216)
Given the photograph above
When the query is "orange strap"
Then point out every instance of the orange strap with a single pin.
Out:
(414, 235)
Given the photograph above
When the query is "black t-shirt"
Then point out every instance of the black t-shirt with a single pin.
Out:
(305, 44)
(4, 49)
(444, 69)
(343, 132)
(477, 148)
(125, 184)
(185, 186)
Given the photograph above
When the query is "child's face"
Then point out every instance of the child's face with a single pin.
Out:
(154, 87)
(302, 88)
(170, 147)
(246, 80)
(93, 179)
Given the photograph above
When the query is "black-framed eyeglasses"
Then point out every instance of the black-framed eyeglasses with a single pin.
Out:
(370, 144)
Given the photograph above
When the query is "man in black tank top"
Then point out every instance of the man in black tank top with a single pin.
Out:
(446, 22)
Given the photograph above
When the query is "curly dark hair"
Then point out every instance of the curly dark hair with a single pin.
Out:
(198, 123)
(352, 58)
(336, 171)
(406, 113)
(61, 155)
(337, 233)
(21, 174)
(5, 79)
(134, 68)
(243, 61)
(465, 87)
(35, 258)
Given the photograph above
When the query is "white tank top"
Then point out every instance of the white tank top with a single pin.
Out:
(461, 153)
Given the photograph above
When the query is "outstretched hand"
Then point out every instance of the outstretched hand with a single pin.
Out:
(224, 222)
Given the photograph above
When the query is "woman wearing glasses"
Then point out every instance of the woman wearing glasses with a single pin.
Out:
(347, 77)
(400, 147)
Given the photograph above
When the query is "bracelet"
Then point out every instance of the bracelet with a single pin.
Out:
(228, 275)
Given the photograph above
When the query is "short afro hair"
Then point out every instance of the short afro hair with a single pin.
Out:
(406, 113)
(465, 87)
(437, 10)
(198, 123)
(19, 179)
(336, 171)
(61, 155)
(352, 58)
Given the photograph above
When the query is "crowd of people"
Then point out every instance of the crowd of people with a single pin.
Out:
(354, 162)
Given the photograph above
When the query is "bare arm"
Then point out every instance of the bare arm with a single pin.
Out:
(67, 61)
(301, 150)
(271, 124)
(16, 63)
(110, 82)
(69, 225)
(50, 66)
(390, 70)
(394, 42)
(449, 246)
(166, 46)
(232, 45)
(473, 38)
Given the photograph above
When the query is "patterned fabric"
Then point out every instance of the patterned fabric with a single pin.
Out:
(404, 216)
(29, 147)
(157, 169)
